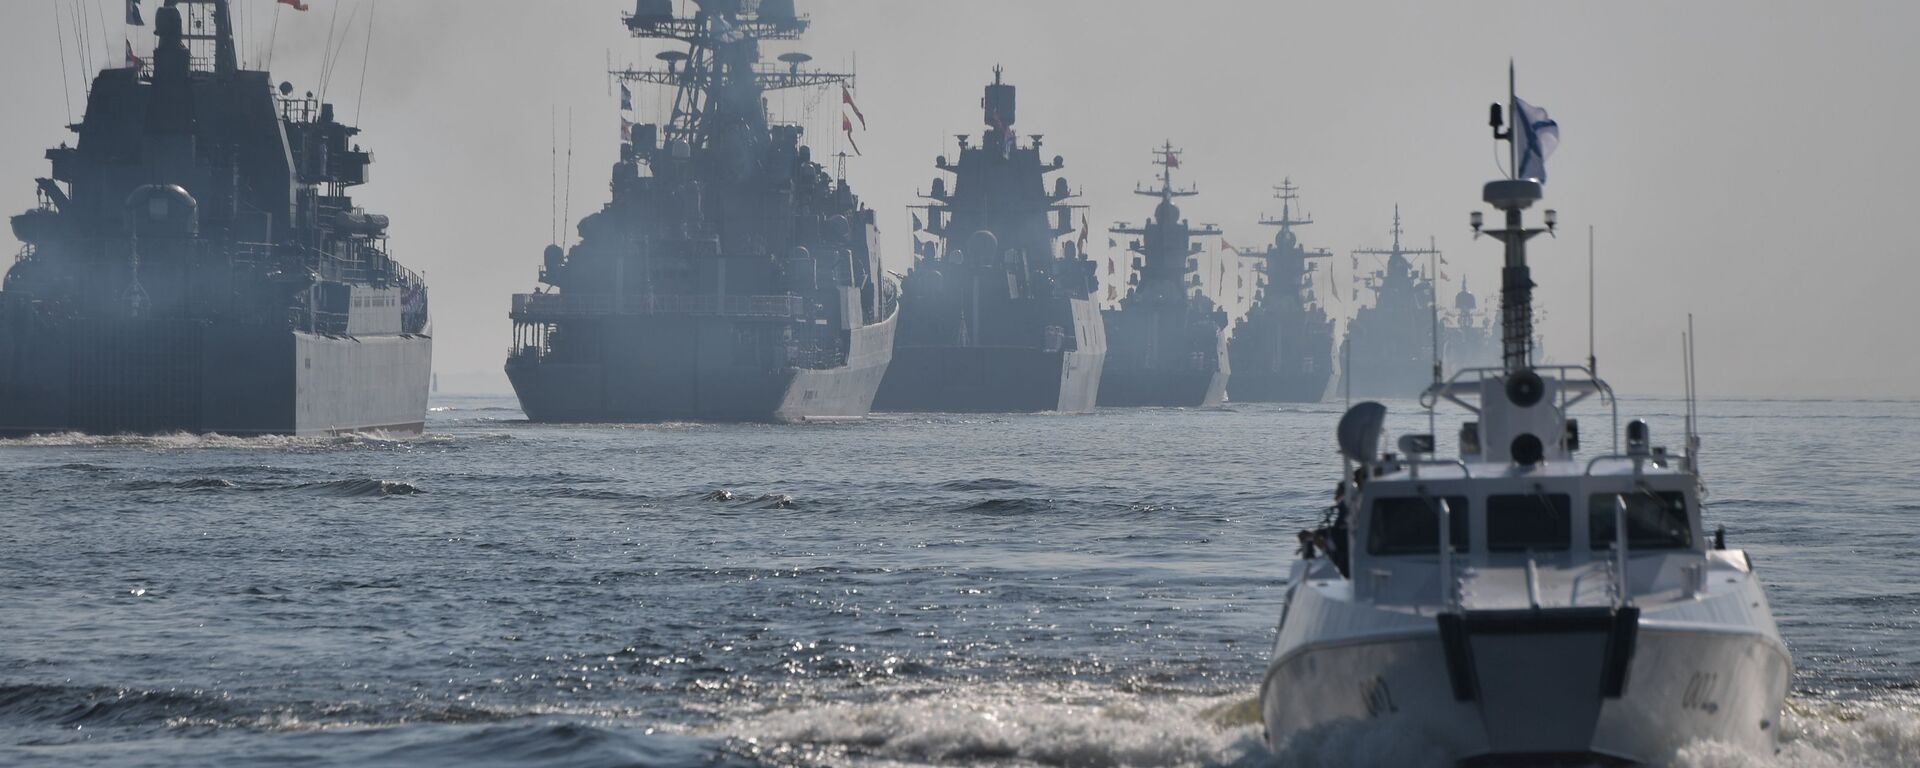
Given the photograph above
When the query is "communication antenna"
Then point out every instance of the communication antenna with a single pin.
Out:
(1593, 363)
(1433, 303)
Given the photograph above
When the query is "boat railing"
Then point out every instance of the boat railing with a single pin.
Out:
(533, 307)
(1577, 383)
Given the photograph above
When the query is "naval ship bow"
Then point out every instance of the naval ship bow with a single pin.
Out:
(1521, 603)
(730, 277)
(1282, 351)
(197, 265)
(1167, 343)
(997, 316)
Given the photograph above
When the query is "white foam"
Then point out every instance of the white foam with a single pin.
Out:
(1044, 724)
(1882, 732)
(1080, 725)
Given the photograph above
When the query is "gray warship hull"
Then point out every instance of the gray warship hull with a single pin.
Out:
(1277, 386)
(1378, 377)
(661, 369)
(1162, 389)
(990, 380)
(949, 378)
(1156, 360)
(160, 376)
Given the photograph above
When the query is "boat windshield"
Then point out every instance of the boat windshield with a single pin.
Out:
(1654, 520)
(1529, 521)
(1410, 525)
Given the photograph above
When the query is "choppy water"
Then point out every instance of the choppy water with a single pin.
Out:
(1006, 591)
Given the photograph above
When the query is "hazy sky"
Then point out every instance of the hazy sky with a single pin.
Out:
(1751, 162)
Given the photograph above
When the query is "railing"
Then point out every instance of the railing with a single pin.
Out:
(1580, 390)
(545, 306)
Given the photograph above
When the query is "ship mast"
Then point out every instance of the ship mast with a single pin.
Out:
(1398, 252)
(719, 78)
(1511, 196)
(1287, 193)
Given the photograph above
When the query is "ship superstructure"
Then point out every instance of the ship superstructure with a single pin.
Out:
(1167, 343)
(1534, 599)
(1469, 336)
(196, 263)
(1388, 350)
(998, 315)
(730, 278)
(1282, 351)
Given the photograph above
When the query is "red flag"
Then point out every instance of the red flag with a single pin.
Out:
(847, 99)
(1225, 247)
(626, 129)
(1173, 161)
(295, 4)
(133, 60)
(846, 125)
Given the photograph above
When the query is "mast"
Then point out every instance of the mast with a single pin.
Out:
(1287, 193)
(1511, 196)
(719, 78)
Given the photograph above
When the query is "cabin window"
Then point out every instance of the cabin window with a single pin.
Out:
(1529, 521)
(1654, 520)
(1411, 526)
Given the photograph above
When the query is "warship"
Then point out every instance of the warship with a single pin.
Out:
(1469, 337)
(1388, 351)
(1167, 343)
(996, 316)
(730, 277)
(195, 263)
(1282, 351)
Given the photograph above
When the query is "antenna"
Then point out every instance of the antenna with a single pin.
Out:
(1433, 304)
(1593, 363)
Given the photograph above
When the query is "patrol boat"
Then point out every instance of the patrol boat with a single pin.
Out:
(730, 278)
(1282, 351)
(1524, 604)
(1167, 344)
(196, 264)
(996, 316)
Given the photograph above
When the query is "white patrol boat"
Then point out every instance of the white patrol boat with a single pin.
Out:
(1524, 604)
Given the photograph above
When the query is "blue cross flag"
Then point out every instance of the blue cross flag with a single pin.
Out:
(1534, 137)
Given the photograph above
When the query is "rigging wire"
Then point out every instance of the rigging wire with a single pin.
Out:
(366, 57)
(566, 212)
(333, 59)
(106, 44)
(60, 37)
(325, 48)
(553, 175)
(273, 35)
(82, 42)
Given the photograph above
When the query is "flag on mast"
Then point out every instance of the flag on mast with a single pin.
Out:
(133, 60)
(846, 97)
(133, 14)
(626, 98)
(846, 125)
(1085, 231)
(296, 5)
(1535, 135)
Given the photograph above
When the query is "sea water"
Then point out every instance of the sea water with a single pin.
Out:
(1014, 590)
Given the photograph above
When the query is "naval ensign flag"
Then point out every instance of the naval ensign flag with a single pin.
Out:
(1534, 137)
